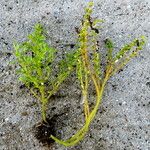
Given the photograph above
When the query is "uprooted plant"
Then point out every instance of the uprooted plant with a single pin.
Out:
(43, 75)
(89, 69)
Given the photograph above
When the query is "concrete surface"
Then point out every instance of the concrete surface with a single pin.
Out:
(123, 121)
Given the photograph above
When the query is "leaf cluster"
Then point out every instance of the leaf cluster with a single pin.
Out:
(37, 66)
(35, 58)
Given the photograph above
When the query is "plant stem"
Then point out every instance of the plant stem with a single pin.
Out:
(81, 133)
(44, 102)
(34, 93)
(86, 105)
(44, 108)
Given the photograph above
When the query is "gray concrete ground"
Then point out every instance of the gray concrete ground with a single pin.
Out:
(122, 122)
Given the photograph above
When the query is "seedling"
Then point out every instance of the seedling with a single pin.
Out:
(89, 68)
(38, 68)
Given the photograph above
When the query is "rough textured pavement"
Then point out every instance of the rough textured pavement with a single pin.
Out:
(123, 121)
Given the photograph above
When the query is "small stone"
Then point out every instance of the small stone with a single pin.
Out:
(128, 7)
(7, 119)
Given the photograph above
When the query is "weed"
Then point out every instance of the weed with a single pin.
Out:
(88, 68)
(38, 69)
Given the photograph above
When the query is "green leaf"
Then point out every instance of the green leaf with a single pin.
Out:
(109, 46)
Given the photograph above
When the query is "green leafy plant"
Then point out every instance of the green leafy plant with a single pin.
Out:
(38, 69)
(43, 75)
(89, 69)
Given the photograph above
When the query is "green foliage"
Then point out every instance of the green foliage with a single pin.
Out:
(109, 46)
(89, 68)
(37, 67)
(129, 48)
(37, 60)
